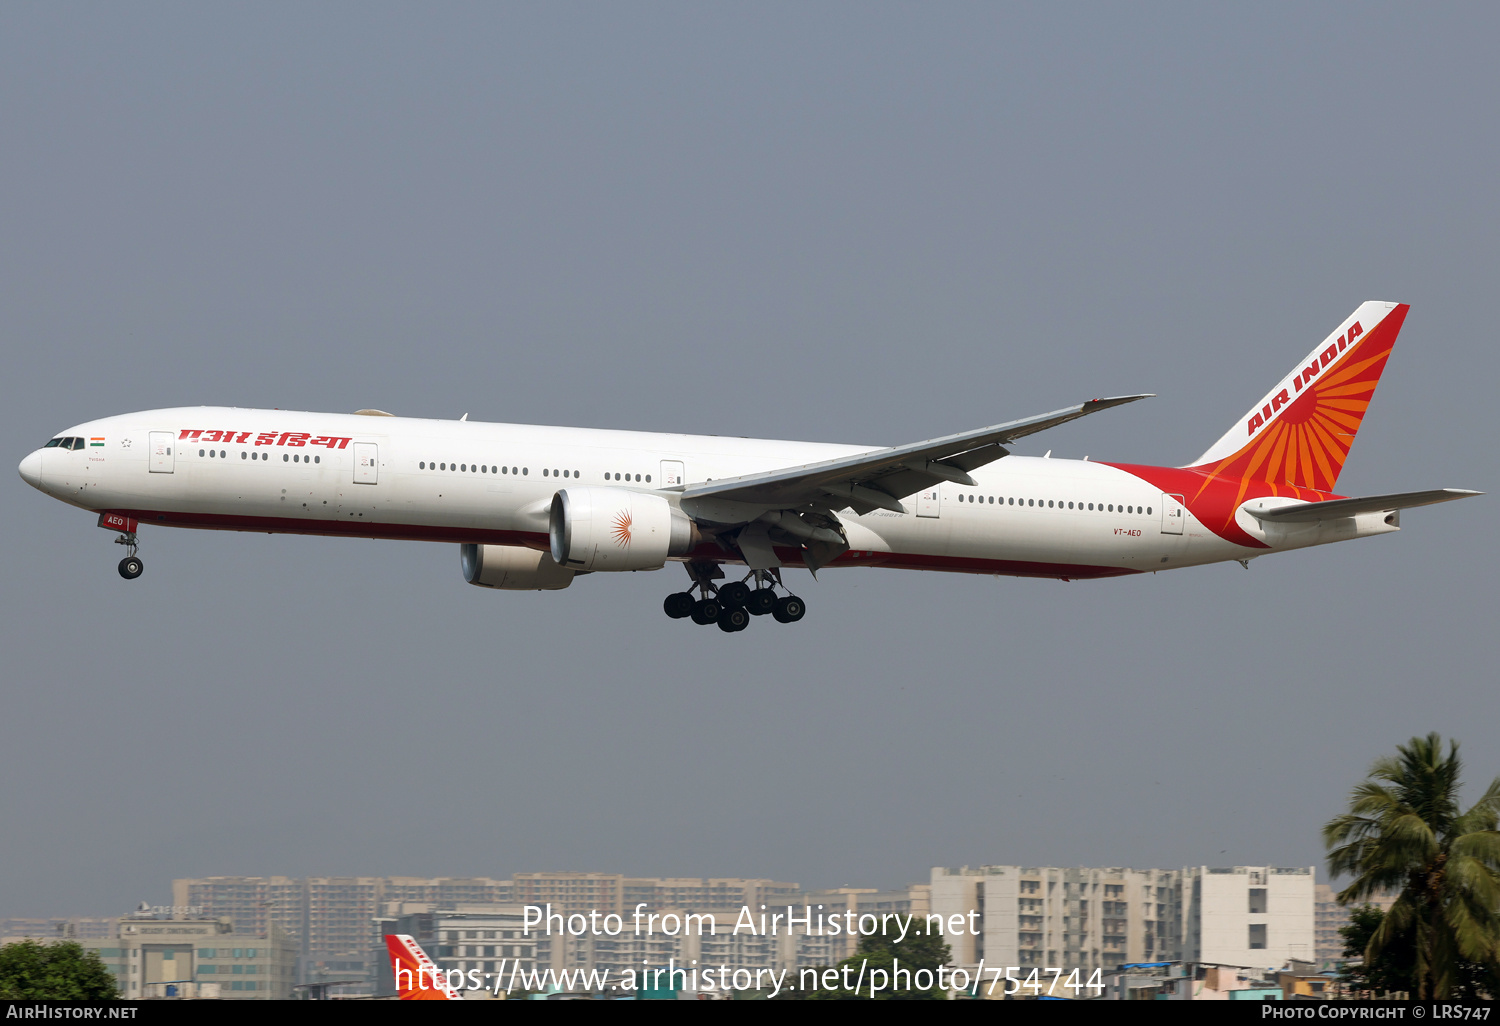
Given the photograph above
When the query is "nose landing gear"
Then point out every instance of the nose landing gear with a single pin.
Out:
(131, 566)
(732, 605)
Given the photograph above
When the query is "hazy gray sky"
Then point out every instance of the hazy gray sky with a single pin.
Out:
(843, 222)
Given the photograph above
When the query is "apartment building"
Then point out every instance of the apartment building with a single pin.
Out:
(1100, 918)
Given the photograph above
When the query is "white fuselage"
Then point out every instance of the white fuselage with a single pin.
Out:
(462, 481)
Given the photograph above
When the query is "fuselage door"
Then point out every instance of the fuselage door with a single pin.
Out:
(672, 475)
(1172, 514)
(366, 462)
(162, 444)
(929, 502)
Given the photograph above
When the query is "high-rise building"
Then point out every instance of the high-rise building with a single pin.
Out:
(1260, 916)
(330, 919)
(1049, 916)
(1331, 917)
(335, 921)
(1040, 916)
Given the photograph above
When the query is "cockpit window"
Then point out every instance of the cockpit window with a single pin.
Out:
(54, 443)
(79, 443)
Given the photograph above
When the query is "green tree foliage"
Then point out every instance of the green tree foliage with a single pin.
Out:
(30, 970)
(1394, 969)
(885, 952)
(1390, 971)
(1404, 831)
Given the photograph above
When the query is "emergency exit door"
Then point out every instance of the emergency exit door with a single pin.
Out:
(1172, 514)
(929, 502)
(161, 445)
(366, 462)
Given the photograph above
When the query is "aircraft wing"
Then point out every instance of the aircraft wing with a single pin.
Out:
(1333, 509)
(880, 478)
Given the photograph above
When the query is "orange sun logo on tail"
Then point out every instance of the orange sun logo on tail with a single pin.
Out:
(621, 528)
(1301, 435)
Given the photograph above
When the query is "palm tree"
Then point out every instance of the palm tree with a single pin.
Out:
(1404, 830)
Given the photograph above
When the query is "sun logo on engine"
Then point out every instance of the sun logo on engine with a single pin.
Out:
(621, 528)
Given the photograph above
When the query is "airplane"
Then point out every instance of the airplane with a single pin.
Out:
(532, 508)
(417, 977)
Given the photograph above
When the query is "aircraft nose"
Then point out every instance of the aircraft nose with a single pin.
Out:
(31, 469)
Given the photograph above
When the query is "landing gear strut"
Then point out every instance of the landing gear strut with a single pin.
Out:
(131, 566)
(732, 605)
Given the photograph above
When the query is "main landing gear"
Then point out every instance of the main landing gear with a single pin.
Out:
(732, 605)
(131, 566)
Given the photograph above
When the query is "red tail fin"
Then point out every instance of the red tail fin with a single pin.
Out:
(1300, 433)
(417, 977)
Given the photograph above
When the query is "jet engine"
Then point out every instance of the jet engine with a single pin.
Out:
(512, 568)
(616, 529)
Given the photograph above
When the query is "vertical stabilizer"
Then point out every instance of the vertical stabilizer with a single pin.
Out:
(417, 977)
(1300, 433)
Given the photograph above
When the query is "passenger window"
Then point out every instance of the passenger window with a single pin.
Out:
(244, 455)
(200, 452)
(285, 458)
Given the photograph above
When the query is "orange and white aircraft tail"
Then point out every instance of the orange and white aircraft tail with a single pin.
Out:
(417, 977)
(1300, 433)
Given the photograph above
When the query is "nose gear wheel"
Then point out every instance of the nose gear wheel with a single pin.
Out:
(131, 566)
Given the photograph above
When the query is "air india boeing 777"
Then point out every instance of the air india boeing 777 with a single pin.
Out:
(531, 507)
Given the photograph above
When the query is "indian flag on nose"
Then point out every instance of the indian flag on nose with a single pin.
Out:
(96, 441)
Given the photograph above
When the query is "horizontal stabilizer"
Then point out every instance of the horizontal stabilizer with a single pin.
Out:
(1305, 512)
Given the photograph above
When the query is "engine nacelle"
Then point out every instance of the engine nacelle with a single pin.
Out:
(512, 568)
(616, 529)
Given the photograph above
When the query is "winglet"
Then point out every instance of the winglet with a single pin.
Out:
(1030, 426)
(417, 977)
